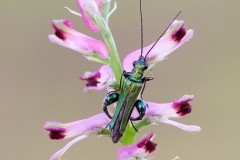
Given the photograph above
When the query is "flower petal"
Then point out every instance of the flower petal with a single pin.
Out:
(182, 106)
(147, 144)
(66, 36)
(175, 36)
(161, 113)
(176, 109)
(87, 9)
(138, 150)
(59, 153)
(92, 80)
(188, 128)
(59, 131)
(98, 80)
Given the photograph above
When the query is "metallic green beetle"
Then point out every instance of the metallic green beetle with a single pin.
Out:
(132, 85)
(130, 88)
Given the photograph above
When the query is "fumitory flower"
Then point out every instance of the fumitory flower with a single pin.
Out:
(66, 36)
(89, 8)
(139, 150)
(162, 112)
(175, 36)
(99, 79)
(81, 128)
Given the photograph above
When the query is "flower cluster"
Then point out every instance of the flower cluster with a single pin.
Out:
(95, 14)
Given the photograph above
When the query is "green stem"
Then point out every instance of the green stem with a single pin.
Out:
(104, 132)
(142, 123)
(114, 61)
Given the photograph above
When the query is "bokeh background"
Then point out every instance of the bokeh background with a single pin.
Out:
(39, 80)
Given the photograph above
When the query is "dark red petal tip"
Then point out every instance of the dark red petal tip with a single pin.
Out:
(147, 144)
(58, 31)
(92, 79)
(182, 108)
(177, 36)
(57, 134)
(59, 34)
(150, 146)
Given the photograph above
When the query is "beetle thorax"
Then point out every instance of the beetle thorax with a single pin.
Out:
(139, 67)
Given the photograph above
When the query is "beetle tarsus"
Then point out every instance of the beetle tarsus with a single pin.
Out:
(134, 126)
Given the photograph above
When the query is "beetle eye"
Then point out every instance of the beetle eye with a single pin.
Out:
(134, 63)
(145, 67)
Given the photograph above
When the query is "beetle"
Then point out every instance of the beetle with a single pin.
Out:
(131, 85)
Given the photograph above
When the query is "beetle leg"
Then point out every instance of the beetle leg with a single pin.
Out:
(109, 99)
(144, 84)
(133, 126)
(126, 74)
(104, 130)
(144, 80)
(141, 108)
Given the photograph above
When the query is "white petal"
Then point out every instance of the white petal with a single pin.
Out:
(188, 128)
(59, 153)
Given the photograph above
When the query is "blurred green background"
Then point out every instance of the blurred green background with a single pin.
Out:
(39, 80)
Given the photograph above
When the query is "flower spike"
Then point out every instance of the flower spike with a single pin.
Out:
(124, 83)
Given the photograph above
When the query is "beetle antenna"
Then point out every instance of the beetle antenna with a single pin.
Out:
(141, 28)
(162, 34)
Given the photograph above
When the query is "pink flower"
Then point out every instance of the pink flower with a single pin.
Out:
(160, 113)
(88, 8)
(138, 150)
(174, 37)
(66, 36)
(98, 80)
(82, 129)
